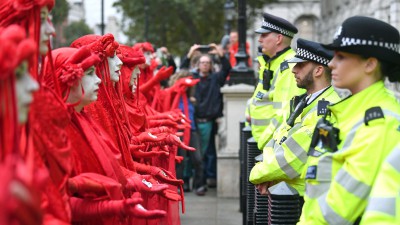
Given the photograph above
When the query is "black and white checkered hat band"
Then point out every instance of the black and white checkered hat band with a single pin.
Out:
(346, 41)
(271, 26)
(307, 55)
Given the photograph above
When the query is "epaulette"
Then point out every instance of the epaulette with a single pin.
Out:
(284, 66)
(373, 114)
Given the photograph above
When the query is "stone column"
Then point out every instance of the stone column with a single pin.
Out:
(235, 99)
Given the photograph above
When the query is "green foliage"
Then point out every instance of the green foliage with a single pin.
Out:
(60, 12)
(178, 24)
(75, 30)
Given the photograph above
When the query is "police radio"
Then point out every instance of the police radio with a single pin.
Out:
(267, 77)
(325, 138)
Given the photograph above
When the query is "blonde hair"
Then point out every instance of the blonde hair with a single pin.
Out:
(180, 74)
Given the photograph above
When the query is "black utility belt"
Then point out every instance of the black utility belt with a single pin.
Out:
(203, 120)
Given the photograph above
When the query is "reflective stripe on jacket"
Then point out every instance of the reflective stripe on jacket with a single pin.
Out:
(384, 201)
(266, 105)
(285, 155)
(338, 184)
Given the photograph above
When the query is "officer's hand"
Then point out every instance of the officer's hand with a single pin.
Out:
(263, 187)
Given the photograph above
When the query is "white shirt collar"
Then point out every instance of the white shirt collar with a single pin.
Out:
(314, 95)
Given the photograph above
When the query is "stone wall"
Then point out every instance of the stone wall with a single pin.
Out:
(336, 11)
(318, 20)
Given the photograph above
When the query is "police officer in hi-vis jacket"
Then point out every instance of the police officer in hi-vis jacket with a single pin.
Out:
(276, 83)
(285, 155)
(358, 133)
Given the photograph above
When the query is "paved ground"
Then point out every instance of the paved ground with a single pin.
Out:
(210, 210)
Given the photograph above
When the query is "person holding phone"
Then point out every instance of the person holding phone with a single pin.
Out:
(208, 103)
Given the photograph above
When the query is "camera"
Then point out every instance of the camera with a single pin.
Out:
(204, 48)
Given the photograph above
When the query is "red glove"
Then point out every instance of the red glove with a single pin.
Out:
(178, 159)
(136, 151)
(184, 83)
(94, 185)
(158, 130)
(162, 122)
(140, 212)
(174, 140)
(166, 193)
(162, 74)
(145, 137)
(179, 134)
(141, 184)
(171, 139)
(165, 176)
(93, 209)
(182, 126)
(150, 154)
(175, 115)
(138, 147)
(156, 172)
(171, 195)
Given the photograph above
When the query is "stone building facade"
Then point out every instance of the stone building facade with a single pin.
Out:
(318, 20)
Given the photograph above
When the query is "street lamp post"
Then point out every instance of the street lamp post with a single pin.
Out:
(229, 12)
(241, 72)
(146, 20)
(102, 25)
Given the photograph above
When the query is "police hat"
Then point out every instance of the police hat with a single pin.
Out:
(368, 37)
(276, 24)
(311, 51)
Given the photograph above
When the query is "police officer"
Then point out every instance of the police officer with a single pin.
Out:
(345, 156)
(276, 81)
(285, 154)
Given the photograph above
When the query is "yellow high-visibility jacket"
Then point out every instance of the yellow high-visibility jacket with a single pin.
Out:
(266, 105)
(285, 155)
(384, 202)
(338, 183)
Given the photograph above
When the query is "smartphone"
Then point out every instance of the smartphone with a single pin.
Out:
(204, 48)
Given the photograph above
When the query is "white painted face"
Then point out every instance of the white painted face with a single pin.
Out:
(46, 30)
(114, 64)
(148, 57)
(134, 78)
(25, 85)
(90, 84)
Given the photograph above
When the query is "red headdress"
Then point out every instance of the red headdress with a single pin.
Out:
(144, 46)
(103, 46)
(27, 14)
(130, 58)
(13, 43)
(146, 73)
(19, 11)
(69, 65)
(14, 49)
